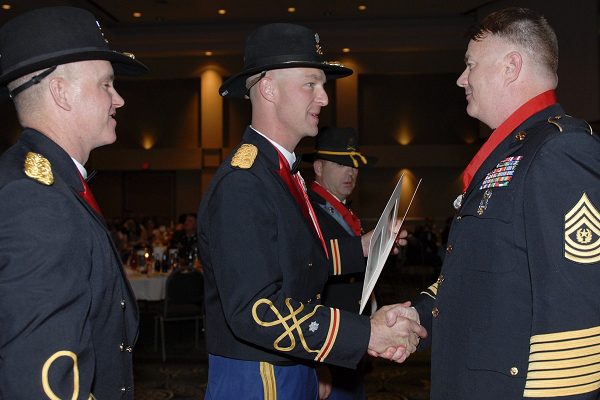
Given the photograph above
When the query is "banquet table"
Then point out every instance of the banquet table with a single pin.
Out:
(149, 287)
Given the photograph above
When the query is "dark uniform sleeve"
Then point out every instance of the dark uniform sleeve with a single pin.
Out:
(562, 223)
(424, 306)
(259, 309)
(345, 255)
(45, 340)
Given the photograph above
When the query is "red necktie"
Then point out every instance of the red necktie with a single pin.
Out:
(296, 185)
(88, 196)
(351, 219)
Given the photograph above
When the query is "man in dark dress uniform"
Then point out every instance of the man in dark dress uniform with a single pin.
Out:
(336, 162)
(515, 312)
(68, 319)
(264, 256)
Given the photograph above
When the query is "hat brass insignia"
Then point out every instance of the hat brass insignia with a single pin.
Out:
(39, 168)
(244, 157)
(582, 232)
(318, 47)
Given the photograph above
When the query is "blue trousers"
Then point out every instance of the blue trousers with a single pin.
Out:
(233, 379)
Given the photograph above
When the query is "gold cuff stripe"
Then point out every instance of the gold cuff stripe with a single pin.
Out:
(570, 391)
(267, 374)
(562, 382)
(563, 373)
(431, 291)
(336, 258)
(428, 294)
(334, 326)
(46, 385)
(577, 334)
(564, 346)
(564, 363)
(575, 362)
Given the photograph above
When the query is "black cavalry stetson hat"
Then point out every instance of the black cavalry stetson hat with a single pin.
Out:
(277, 46)
(51, 36)
(339, 145)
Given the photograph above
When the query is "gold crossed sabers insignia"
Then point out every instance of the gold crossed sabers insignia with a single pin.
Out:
(284, 321)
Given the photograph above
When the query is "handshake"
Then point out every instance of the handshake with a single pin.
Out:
(395, 332)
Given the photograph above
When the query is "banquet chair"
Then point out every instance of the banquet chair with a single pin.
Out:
(184, 301)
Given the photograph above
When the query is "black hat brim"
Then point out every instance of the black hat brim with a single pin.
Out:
(122, 64)
(342, 160)
(235, 86)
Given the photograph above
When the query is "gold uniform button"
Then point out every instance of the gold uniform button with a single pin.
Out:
(122, 346)
(440, 279)
(449, 249)
(129, 349)
(514, 371)
(123, 389)
(318, 296)
(458, 218)
(435, 312)
(521, 135)
(122, 304)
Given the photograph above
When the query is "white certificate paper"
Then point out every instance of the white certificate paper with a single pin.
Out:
(382, 241)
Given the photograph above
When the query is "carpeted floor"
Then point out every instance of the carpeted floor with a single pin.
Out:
(183, 375)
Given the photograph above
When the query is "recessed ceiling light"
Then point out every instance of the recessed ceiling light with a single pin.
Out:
(6, 6)
(222, 11)
(208, 53)
(346, 50)
(136, 14)
(291, 9)
(362, 7)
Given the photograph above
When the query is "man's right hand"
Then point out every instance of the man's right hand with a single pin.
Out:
(394, 332)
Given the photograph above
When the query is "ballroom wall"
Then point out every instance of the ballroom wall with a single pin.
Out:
(175, 129)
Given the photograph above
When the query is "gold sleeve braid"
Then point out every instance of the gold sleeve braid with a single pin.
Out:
(564, 363)
(295, 327)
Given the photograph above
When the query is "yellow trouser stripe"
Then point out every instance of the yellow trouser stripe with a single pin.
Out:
(267, 374)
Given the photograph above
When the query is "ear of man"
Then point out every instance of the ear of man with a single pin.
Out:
(318, 167)
(59, 89)
(513, 65)
(267, 88)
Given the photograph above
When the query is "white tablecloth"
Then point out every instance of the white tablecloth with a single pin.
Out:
(147, 287)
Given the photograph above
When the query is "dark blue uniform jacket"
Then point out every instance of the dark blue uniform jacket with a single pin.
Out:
(516, 312)
(68, 320)
(265, 269)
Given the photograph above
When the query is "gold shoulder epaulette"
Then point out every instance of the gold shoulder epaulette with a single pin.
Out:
(244, 157)
(39, 168)
(554, 121)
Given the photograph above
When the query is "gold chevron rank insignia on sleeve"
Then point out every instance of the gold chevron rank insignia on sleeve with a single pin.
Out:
(563, 363)
(39, 168)
(244, 156)
(582, 232)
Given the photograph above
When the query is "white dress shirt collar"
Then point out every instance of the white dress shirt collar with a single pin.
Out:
(290, 157)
